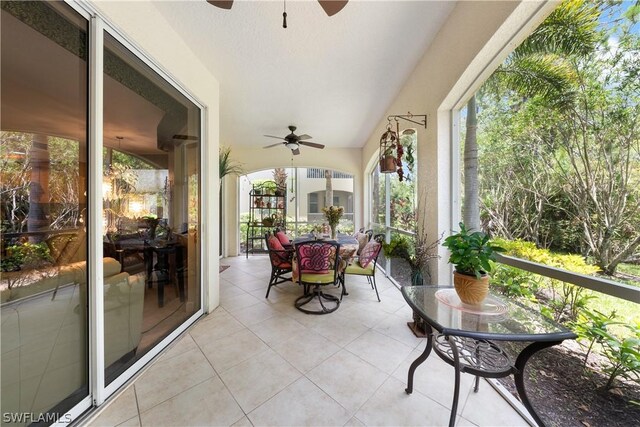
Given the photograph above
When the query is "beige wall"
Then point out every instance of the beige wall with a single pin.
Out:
(474, 40)
(141, 23)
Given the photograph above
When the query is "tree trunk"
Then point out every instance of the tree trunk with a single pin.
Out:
(328, 195)
(471, 214)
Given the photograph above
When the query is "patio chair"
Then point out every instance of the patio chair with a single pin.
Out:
(317, 266)
(281, 260)
(366, 264)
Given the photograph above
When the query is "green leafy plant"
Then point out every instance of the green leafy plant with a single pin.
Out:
(227, 165)
(416, 250)
(591, 326)
(471, 252)
(623, 355)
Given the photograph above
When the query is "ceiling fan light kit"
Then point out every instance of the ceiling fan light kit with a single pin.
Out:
(293, 141)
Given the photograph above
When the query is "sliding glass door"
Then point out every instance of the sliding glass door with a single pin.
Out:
(43, 197)
(97, 269)
(151, 210)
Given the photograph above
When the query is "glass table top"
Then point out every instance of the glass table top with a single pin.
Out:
(498, 318)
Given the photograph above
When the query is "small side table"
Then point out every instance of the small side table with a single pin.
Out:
(467, 337)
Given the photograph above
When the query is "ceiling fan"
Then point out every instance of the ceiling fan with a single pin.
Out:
(331, 7)
(293, 141)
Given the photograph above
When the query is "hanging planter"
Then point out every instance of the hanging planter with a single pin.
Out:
(388, 143)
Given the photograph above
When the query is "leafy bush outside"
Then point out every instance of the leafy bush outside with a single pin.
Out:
(605, 325)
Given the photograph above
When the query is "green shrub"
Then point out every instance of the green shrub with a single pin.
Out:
(564, 299)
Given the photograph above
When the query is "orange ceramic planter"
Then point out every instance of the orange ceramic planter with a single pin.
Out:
(470, 289)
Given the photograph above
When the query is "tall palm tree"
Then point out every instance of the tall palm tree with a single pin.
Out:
(541, 66)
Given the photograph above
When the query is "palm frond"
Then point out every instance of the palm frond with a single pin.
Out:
(549, 77)
(571, 29)
(228, 166)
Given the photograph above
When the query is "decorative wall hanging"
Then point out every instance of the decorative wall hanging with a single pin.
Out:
(391, 150)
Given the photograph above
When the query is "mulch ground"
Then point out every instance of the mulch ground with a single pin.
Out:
(566, 394)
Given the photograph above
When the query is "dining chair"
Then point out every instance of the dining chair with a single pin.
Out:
(281, 261)
(317, 263)
(366, 264)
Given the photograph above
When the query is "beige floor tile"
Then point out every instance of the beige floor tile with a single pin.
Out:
(230, 290)
(120, 410)
(339, 330)
(238, 302)
(361, 313)
(405, 312)
(256, 380)
(300, 404)
(208, 403)
(381, 351)
(391, 406)
(306, 349)
(254, 314)
(396, 327)
(242, 422)
(182, 345)
(254, 284)
(348, 379)
(131, 422)
(169, 378)
(217, 325)
(276, 329)
(435, 379)
(354, 422)
(227, 352)
(487, 407)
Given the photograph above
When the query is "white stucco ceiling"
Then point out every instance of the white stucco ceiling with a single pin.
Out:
(333, 77)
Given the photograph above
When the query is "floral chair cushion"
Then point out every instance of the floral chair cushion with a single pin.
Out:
(369, 253)
(362, 239)
(316, 259)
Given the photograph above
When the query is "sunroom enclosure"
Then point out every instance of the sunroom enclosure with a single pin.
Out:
(129, 187)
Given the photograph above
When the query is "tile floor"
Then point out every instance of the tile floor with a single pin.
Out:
(257, 361)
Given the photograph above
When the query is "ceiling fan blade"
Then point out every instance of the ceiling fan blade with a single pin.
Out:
(304, 136)
(331, 7)
(276, 137)
(295, 152)
(311, 144)
(222, 4)
(273, 145)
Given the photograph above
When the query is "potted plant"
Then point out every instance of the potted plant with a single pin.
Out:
(417, 251)
(388, 162)
(280, 177)
(333, 215)
(471, 254)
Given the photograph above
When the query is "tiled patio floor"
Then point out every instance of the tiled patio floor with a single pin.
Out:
(255, 361)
